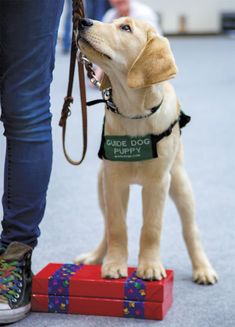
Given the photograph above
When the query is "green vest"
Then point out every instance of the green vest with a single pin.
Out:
(135, 148)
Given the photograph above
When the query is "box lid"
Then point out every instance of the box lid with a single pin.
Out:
(86, 281)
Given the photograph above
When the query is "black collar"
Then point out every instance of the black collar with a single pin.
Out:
(110, 105)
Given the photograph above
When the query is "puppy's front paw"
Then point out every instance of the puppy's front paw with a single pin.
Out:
(91, 258)
(151, 271)
(205, 276)
(114, 270)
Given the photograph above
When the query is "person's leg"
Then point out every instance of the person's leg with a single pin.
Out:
(27, 172)
(90, 8)
(67, 27)
(100, 9)
(107, 5)
(28, 33)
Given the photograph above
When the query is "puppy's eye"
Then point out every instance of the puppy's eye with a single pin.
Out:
(125, 28)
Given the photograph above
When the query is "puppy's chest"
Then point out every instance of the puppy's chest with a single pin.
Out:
(130, 127)
(140, 173)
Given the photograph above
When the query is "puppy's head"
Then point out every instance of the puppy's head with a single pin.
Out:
(129, 46)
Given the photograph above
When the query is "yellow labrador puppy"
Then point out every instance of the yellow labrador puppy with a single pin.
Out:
(137, 63)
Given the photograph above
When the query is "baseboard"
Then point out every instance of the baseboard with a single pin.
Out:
(193, 34)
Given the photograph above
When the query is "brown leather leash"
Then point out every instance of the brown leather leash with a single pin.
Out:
(78, 13)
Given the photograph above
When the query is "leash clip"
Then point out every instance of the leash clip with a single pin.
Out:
(80, 57)
(95, 81)
(88, 65)
(106, 94)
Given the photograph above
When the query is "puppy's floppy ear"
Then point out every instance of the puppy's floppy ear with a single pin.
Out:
(154, 64)
(105, 82)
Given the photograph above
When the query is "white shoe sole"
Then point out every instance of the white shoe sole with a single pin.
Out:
(13, 315)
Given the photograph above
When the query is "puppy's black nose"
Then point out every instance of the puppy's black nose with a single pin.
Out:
(84, 23)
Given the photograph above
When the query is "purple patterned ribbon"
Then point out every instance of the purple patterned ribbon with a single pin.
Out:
(134, 290)
(58, 304)
(58, 288)
(133, 309)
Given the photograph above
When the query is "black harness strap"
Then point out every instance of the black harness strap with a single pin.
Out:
(183, 119)
(158, 137)
(94, 102)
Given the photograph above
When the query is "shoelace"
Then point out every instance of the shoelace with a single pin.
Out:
(10, 280)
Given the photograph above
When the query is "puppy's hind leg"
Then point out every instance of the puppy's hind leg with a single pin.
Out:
(182, 195)
(96, 256)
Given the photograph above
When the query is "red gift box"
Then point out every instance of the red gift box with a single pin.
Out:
(80, 289)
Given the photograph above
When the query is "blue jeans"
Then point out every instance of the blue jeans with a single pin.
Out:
(95, 9)
(67, 36)
(28, 34)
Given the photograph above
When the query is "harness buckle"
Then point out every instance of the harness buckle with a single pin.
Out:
(106, 94)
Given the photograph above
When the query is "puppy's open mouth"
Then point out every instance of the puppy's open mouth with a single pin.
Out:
(94, 48)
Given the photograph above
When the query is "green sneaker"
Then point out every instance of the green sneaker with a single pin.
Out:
(15, 282)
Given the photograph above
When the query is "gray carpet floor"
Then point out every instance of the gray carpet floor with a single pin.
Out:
(73, 223)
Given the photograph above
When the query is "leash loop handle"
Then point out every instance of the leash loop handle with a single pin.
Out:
(78, 13)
